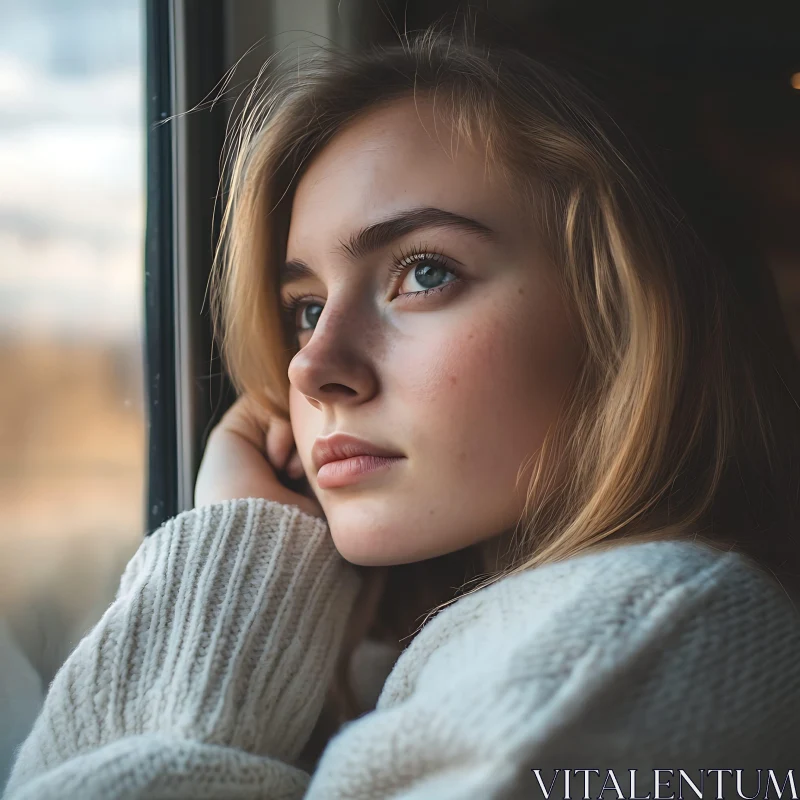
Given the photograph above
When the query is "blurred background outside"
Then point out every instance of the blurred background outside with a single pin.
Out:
(72, 426)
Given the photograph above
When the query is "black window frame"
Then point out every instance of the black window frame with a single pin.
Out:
(186, 388)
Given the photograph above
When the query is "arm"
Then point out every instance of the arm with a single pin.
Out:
(654, 657)
(206, 675)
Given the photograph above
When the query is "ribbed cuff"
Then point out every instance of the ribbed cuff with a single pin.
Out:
(225, 630)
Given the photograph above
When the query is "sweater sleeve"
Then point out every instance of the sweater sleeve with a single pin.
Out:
(659, 656)
(206, 675)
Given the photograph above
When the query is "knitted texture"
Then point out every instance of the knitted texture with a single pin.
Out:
(647, 656)
(206, 676)
(218, 648)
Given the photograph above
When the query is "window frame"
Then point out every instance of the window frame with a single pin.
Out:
(185, 384)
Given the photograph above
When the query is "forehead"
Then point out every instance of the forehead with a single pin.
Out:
(392, 158)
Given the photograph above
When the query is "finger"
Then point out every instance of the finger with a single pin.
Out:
(295, 466)
(242, 419)
(279, 442)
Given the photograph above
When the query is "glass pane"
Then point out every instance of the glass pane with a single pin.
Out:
(72, 431)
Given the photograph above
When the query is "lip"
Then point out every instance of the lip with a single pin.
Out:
(345, 471)
(339, 446)
(341, 459)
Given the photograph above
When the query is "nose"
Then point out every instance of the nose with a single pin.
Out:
(334, 366)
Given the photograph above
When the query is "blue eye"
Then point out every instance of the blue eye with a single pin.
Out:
(301, 312)
(430, 276)
(311, 312)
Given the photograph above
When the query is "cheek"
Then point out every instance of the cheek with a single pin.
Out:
(488, 395)
(464, 396)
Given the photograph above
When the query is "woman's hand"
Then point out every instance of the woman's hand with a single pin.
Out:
(244, 452)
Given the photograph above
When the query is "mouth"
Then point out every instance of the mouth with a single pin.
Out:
(341, 460)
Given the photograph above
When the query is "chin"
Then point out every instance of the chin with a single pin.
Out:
(362, 547)
(380, 536)
(369, 537)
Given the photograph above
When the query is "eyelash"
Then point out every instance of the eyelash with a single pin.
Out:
(401, 264)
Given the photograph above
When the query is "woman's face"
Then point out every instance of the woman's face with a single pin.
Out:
(463, 381)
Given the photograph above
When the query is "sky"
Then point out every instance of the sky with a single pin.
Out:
(71, 168)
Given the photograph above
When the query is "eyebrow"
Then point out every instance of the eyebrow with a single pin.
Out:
(380, 234)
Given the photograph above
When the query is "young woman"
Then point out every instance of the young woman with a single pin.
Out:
(477, 348)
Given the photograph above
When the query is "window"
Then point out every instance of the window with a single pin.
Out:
(72, 421)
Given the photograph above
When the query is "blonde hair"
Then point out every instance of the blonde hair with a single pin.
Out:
(683, 420)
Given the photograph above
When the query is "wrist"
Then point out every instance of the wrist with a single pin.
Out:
(222, 493)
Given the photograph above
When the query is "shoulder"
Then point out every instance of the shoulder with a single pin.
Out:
(665, 606)
(656, 654)
(622, 586)
(616, 586)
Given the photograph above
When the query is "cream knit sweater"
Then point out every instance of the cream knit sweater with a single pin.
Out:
(205, 677)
